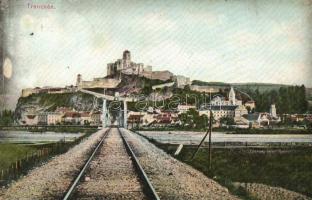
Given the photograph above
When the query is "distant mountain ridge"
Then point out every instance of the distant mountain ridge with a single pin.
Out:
(262, 87)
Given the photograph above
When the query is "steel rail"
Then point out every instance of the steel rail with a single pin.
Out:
(71, 190)
(147, 187)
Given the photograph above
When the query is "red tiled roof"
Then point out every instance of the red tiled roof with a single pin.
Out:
(85, 114)
(72, 114)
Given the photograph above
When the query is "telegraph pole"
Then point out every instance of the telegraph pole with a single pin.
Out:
(209, 131)
(209, 144)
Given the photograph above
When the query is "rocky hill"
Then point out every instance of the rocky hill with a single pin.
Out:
(49, 102)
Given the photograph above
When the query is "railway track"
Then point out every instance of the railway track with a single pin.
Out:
(112, 172)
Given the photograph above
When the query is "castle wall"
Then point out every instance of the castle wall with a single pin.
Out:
(207, 89)
(100, 83)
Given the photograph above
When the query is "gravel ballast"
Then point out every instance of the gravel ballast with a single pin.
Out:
(111, 174)
(51, 180)
(171, 178)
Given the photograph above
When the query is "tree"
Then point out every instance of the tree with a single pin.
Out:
(291, 99)
(187, 88)
(227, 121)
(202, 121)
(248, 109)
(309, 126)
(184, 119)
(191, 118)
(6, 118)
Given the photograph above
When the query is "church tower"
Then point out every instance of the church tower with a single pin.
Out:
(232, 98)
(273, 111)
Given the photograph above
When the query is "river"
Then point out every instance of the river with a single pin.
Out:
(36, 137)
(188, 137)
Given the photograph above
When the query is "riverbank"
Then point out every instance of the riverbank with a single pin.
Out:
(224, 139)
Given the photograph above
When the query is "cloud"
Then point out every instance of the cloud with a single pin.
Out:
(244, 38)
(208, 18)
(295, 33)
(156, 22)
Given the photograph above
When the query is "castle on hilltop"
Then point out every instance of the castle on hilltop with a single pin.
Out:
(113, 78)
(127, 67)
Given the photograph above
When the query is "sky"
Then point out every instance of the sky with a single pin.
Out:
(229, 41)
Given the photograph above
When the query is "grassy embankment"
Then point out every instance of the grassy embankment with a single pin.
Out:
(16, 159)
(9, 153)
(289, 168)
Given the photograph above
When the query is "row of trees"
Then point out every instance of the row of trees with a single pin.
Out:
(192, 119)
(6, 118)
(290, 99)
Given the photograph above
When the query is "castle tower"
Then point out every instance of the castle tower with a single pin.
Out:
(273, 111)
(126, 57)
(232, 98)
(79, 79)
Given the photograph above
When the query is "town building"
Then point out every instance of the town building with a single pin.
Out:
(85, 118)
(142, 118)
(299, 117)
(49, 118)
(96, 118)
(240, 111)
(184, 108)
(260, 119)
(135, 120)
(231, 100)
(219, 111)
(71, 118)
(152, 119)
(29, 118)
(257, 120)
(165, 119)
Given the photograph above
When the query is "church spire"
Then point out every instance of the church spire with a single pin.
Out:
(232, 98)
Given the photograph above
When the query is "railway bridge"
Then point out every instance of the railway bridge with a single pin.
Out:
(122, 109)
